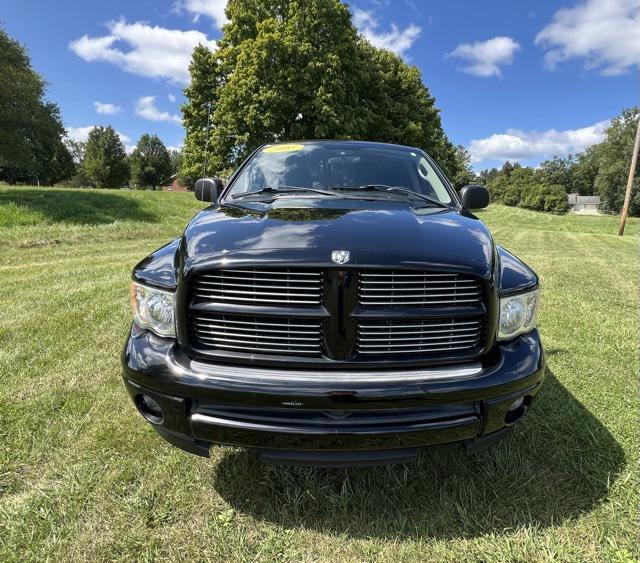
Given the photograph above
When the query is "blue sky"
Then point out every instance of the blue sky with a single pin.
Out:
(521, 80)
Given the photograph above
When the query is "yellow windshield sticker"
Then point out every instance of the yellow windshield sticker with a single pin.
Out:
(283, 148)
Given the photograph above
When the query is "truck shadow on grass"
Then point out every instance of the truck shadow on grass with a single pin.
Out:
(558, 464)
(81, 207)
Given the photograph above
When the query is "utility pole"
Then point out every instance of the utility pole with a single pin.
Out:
(632, 172)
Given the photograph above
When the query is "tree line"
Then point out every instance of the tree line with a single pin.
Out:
(34, 148)
(285, 70)
(600, 170)
(102, 161)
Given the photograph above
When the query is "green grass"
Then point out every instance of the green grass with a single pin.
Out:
(82, 477)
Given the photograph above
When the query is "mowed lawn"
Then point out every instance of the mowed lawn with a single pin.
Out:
(83, 477)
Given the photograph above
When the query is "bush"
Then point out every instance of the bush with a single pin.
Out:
(549, 198)
(511, 184)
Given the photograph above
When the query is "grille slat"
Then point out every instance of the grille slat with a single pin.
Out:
(217, 331)
(458, 323)
(423, 302)
(428, 336)
(417, 351)
(400, 275)
(274, 272)
(251, 340)
(403, 343)
(213, 334)
(470, 285)
(212, 328)
(398, 288)
(259, 287)
(293, 278)
(258, 323)
(401, 338)
(256, 286)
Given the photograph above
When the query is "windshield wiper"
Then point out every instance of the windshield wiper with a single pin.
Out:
(401, 189)
(283, 190)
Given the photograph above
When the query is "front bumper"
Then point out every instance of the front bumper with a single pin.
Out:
(355, 416)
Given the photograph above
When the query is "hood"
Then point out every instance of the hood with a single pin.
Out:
(308, 230)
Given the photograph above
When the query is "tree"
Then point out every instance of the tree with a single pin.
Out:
(76, 150)
(290, 69)
(612, 158)
(559, 171)
(465, 174)
(585, 171)
(31, 130)
(551, 198)
(176, 161)
(487, 176)
(105, 159)
(150, 163)
(512, 183)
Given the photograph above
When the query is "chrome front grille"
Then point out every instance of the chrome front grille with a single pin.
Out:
(260, 287)
(423, 336)
(281, 312)
(418, 289)
(263, 335)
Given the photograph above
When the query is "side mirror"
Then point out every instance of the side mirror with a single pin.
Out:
(474, 197)
(209, 189)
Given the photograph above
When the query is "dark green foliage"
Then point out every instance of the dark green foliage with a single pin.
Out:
(105, 160)
(506, 186)
(150, 163)
(551, 198)
(298, 70)
(465, 174)
(31, 130)
(520, 186)
(585, 171)
(559, 171)
(613, 158)
(175, 157)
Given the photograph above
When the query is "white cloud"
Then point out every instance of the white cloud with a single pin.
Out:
(485, 57)
(106, 109)
(515, 144)
(79, 133)
(82, 134)
(171, 97)
(146, 108)
(606, 33)
(213, 9)
(396, 40)
(144, 50)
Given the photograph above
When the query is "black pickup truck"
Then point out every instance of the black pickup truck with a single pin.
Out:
(338, 303)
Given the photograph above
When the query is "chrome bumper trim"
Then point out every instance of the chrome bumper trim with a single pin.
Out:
(275, 375)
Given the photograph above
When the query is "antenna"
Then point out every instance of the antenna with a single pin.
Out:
(206, 142)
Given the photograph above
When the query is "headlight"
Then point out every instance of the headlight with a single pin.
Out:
(518, 314)
(153, 309)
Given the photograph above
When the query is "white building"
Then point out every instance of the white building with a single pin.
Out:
(584, 203)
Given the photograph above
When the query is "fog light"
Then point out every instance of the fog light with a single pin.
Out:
(517, 410)
(149, 408)
(516, 404)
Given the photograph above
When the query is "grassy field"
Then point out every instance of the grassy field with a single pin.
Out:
(82, 477)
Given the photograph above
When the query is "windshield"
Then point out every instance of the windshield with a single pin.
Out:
(340, 166)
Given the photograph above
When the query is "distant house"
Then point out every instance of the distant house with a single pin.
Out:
(173, 185)
(584, 203)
